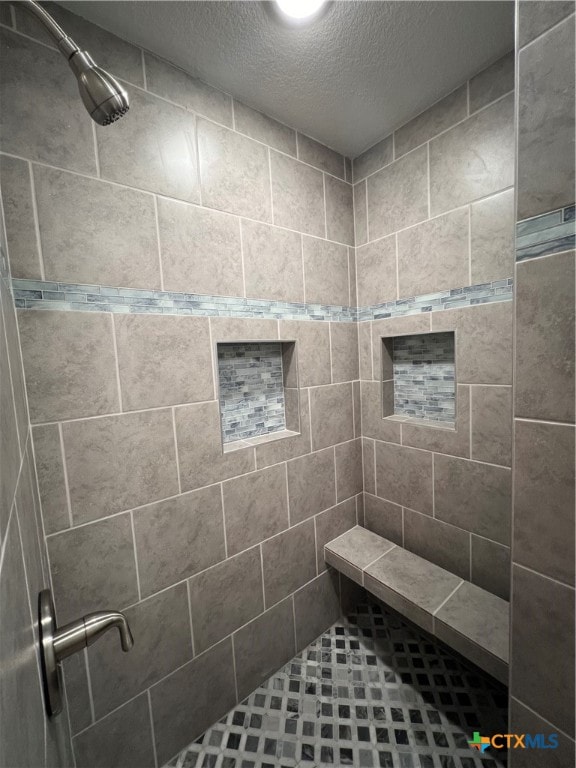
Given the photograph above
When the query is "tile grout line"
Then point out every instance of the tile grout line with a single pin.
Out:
(190, 622)
(65, 473)
(116, 361)
(158, 245)
(221, 484)
(176, 454)
(36, 219)
(149, 700)
(443, 603)
(133, 533)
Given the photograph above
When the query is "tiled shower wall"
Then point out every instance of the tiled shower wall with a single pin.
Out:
(542, 601)
(434, 213)
(216, 559)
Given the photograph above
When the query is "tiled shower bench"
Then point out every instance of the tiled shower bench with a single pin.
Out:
(469, 619)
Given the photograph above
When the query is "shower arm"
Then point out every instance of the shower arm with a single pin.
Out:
(66, 45)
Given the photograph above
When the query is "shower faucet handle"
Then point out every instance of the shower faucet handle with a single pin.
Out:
(57, 644)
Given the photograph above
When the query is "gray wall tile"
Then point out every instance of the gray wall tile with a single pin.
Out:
(51, 483)
(373, 423)
(360, 213)
(93, 567)
(225, 597)
(368, 469)
(77, 692)
(69, 364)
(316, 606)
(6, 14)
(544, 499)
(314, 153)
(93, 232)
(174, 84)
(440, 116)
(298, 195)
(311, 484)
(325, 272)
(445, 545)
(404, 476)
(163, 360)
(434, 256)
(384, 518)
(255, 507)
(490, 566)
(272, 262)
(162, 642)
(546, 122)
(374, 158)
(473, 496)
(545, 338)
(200, 448)
(536, 16)
(122, 738)
(178, 537)
(365, 351)
(56, 129)
(455, 442)
(119, 462)
(288, 561)
(348, 469)
(493, 82)
(19, 218)
(339, 211)
(398, 194)
(492, 424)
(14, 356)
(263, 128)
(542, 648)
(28, 512)
(263, 646)
(201, 249)
(10, 455)
(332, 415)
(474, 159)
(179, 717)
(522, 720)
(492, 238)
(153, 147)
(333, 523)
(231, 329)
(376, 272)
(288, 447)
(312, 350)
(344, 349)
(234, 172)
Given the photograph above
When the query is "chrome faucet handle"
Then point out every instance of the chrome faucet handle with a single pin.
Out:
(59, 643)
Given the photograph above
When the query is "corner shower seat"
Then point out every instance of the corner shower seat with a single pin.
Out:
(471, 620)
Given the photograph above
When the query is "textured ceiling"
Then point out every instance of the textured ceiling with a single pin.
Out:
(347, 79)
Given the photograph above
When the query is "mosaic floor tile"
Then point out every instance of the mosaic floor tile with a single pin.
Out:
(370, 692)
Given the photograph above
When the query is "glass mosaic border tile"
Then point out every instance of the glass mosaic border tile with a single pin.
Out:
(552, 232)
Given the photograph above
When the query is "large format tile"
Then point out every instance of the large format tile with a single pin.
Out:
(433, 256)
(234, 172)
(200, 448)
(374, 158)
(398, 194)
(339, 211)
(443, 544)
(93, 568)
(376, 272)
(274, 451)
(178, 537)
(325, 272)
(492, 238)
(28, 513)
(94, 232)
(542, 651)
(263, 646)
(360, 202)
(234, 329)
(332, 523)
(355, 550)
(272, 262)
(122, 738)
(492, 424)
(314, 153)
(332, 415)
(51, 482)
(544, 499)
(404, 476)
(14, 358)
(384, 518)
(492, 83)
(368, 465)
(42, 117)
(440, 116)
(153, 147)
(178, 716)
(474, 159)
(119, 462)
(201, 249)
(162, 642)
(344, 350)
(545, 338)
(316, 606)
(69, 363)
(19, 218)
(263, 128)
(176, 85)
(225, 597)
(163, 360)
(455, 442)
(473, 496)
(413, 586)
(255, 507)
(311, 484)
(546, 122)
(348, 469)
(10, 454)
(522, 719)
(536, 16)
(374, 424)
(298, 195)
(490, 566)
(312, 350)
(288, 561)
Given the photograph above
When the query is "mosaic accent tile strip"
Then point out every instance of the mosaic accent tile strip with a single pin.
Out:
(251, 390)
(371, 692)
(550, 233)
(38, 295)
(424, 376)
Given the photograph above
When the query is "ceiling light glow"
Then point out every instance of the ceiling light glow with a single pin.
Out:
(300, 9)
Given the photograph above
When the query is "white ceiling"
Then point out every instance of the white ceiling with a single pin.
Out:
(348, 79)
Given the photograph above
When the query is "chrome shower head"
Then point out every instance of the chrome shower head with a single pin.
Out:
(103, 96)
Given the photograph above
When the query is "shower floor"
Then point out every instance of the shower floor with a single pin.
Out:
(370, 692)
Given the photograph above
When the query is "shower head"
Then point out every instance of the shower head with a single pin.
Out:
(103, 96)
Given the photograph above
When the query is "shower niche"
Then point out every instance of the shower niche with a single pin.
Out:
(418, 375)
(257, 392)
